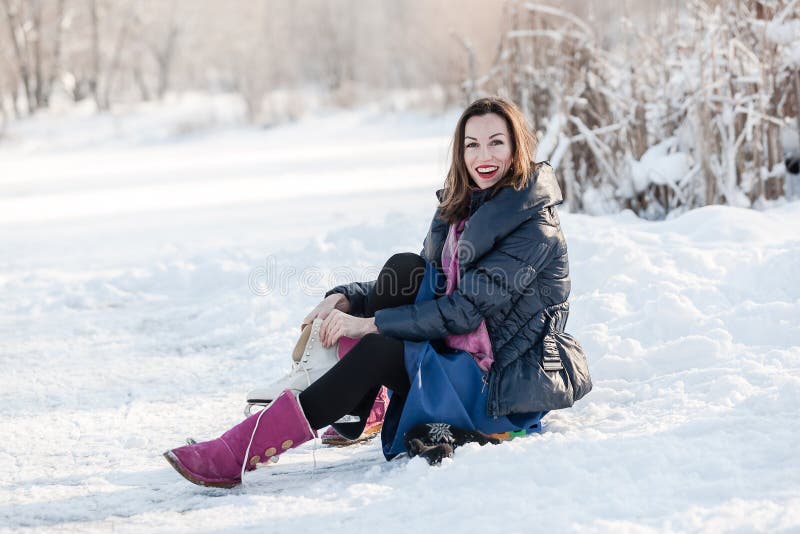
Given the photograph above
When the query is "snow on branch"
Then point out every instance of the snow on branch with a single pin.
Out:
(566, 15)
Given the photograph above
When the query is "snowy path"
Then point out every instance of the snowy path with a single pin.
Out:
(128, 321)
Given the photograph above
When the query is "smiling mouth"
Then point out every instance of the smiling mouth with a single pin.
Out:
(487, 171)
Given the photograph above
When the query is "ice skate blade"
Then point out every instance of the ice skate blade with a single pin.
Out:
(368, 434)
(348, 419)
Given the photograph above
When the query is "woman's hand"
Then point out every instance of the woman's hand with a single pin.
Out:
(337, 301)
(339, 324)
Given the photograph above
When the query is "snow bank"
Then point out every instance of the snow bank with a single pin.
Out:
(70, 126)
(137, 311)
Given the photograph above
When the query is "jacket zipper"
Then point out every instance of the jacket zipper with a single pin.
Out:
(491, 402)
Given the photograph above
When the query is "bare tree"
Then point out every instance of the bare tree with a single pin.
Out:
(35, 32)
(109, 23)
(94, 80)
(156, 30)
(164, 53)
(18, 34)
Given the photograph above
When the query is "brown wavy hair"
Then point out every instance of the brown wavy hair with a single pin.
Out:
(454, 205)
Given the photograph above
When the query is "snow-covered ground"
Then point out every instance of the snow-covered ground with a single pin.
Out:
(148, 282)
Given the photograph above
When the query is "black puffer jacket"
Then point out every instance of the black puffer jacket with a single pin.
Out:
(514, 274)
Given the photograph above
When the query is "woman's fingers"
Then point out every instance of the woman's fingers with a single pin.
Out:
(336, 330)
(325, 340)
(335, 335)
(338, 324)
(328, 337)
(325, 331)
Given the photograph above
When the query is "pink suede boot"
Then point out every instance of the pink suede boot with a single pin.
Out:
(374, 421)
(222, 462)
(373, 427)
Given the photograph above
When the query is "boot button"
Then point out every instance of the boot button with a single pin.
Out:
(254, 460)
(270, 452)
(286, 444)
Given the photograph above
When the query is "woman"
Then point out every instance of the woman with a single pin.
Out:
(438, 328)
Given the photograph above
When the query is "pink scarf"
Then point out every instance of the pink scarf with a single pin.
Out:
(477, 342)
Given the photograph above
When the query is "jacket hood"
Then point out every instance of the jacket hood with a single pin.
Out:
(545, 189)
(541, 192)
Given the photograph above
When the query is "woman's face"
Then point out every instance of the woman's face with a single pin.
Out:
(487, 149)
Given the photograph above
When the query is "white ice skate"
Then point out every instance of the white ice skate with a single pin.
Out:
(310, 360)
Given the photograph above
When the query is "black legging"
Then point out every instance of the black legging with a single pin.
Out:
(350, 387)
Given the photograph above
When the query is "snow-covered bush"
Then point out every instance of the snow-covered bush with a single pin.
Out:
(684, 113)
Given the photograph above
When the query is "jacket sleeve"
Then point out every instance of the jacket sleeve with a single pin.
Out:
(485, 288)
(357, 294)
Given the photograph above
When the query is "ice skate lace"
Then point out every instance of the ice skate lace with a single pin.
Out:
(250, 444)
(253, 435)
(300, 366)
